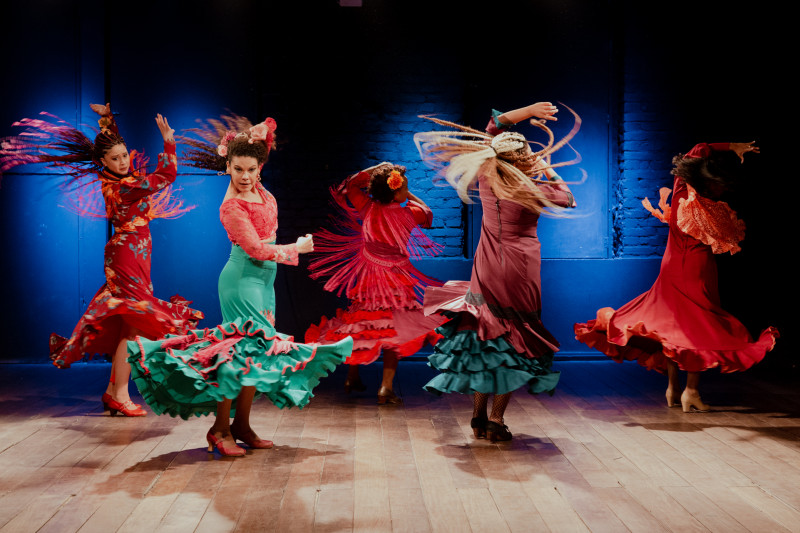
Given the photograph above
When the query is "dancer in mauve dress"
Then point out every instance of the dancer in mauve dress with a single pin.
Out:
(678, 323)
(495, 341)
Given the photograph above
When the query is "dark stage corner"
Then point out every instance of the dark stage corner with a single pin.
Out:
(346, 81)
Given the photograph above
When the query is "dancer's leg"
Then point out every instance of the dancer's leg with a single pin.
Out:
(673, 385)
(499, 405)
(386, 392)
(690, 399)
(389, 368)
(121, 367)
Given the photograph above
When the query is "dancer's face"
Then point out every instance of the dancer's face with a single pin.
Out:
(117, 160)
(244, 171)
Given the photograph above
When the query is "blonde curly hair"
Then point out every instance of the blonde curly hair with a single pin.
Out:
(506, 160)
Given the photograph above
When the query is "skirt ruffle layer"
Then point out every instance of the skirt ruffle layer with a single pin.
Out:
(187, 375)
(403, 331)
(99, 329)
(469, 364)
(529, 338)
(654, 351)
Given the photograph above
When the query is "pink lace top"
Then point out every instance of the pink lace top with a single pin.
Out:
(250, 223)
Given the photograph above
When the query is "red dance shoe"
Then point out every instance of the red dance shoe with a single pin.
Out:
(127, 408)
(106, 398)
(219, 444)
(255, 443)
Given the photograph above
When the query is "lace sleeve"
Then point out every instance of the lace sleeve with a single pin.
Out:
(712, 223)
(241, 231)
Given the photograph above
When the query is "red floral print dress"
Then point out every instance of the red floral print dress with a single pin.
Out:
(127, 296)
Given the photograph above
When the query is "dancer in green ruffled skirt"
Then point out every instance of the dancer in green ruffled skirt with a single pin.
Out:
(208, 370)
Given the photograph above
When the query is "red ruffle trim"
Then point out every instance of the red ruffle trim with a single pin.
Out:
(622, 346)
(374, 331)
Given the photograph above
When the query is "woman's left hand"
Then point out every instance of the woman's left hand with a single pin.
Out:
(742, 148)
(166, 132)
(305, 244)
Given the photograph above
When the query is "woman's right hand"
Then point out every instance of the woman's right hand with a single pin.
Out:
(305, 244)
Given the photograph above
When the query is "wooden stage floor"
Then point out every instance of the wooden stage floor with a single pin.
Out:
(603, 454)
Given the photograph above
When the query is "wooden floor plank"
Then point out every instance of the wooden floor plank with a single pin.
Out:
(603, 454)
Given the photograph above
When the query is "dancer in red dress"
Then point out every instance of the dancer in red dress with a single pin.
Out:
(496, 342)
(678, 323)
(370, 262)
(125, 306)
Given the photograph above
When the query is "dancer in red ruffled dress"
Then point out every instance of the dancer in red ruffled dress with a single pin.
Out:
(678, 323)
(370, 262)
(125, 306)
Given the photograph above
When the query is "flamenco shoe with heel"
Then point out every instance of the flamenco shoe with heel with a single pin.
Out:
(497, 432)
(354, 385)
(387, 396)
(107, 398)
(691, 403)
(127, 408)
(673, 400)
(478, 425)
(219, 444)
(252, 441)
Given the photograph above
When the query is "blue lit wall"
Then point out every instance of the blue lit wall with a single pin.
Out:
(345, 86)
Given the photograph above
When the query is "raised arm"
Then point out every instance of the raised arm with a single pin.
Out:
(134, 188)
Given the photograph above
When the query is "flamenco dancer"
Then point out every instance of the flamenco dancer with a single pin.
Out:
(124, 307)
(207, 370)
(495, 341)
(370, 261)
(678, 323)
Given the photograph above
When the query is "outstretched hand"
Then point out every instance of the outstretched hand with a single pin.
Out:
(102, 110)
(742, 148)
(166, 132)
(305, 244)
(543, 111)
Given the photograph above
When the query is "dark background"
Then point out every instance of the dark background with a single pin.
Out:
(346, 85)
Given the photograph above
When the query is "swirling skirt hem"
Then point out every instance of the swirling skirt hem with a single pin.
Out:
(653, 351)
(179, 382)
(468, 364)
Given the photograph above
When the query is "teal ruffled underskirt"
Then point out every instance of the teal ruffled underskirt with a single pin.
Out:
(187, 375)
(468, 364)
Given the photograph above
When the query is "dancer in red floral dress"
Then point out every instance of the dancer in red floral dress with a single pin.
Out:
(125, 306)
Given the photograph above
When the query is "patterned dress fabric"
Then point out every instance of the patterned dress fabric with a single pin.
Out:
(127, 296)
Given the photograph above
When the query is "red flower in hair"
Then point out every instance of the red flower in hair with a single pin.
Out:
(395, 180)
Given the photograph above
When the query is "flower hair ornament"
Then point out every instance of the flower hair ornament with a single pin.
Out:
(210, 151)
(395, 180)
(222, 148)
